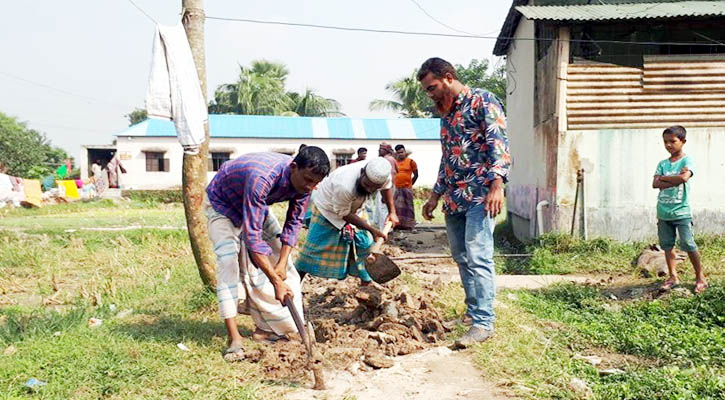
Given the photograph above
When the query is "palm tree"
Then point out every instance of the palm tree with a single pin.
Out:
(313, 105)
(410, 99)
(258, 91)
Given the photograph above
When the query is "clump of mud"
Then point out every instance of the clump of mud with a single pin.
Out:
(355, 326)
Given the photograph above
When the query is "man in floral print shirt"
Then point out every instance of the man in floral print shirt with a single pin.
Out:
(470, 180)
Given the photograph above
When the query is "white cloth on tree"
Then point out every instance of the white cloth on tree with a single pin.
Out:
(174, 91)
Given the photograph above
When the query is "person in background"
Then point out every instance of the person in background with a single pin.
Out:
(404, 180)
(100, 176)
(114, 168)
(380, 211)
(362, 154)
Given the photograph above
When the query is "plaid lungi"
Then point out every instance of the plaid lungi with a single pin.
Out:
(405, 208)
(325, 252)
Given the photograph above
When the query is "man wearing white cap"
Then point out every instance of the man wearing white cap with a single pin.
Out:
(339, 237)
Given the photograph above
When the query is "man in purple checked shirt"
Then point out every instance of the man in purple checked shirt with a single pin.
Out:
(242, 227)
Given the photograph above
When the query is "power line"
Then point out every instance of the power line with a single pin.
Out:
(143, 12)
(86, 98)
(450, 35)
(439, 22)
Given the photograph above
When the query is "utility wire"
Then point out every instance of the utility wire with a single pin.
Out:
(86, 98)
(143, 12)
(451, 35)
(436, 20)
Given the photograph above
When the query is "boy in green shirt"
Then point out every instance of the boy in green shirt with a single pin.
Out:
(673, 208)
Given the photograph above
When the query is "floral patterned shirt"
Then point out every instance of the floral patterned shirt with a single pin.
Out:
(475, 150)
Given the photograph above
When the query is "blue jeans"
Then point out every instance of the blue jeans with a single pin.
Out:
(470, 235)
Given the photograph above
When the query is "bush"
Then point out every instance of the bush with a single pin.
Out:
(155, 196)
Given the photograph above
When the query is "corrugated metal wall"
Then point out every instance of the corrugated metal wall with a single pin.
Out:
(687, 90)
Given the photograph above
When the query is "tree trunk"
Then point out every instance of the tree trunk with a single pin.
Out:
(195, 166)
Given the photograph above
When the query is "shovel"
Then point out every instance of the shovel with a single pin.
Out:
(299, 324)
(380, 267)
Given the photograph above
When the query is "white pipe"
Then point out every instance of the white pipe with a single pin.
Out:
(539, 217)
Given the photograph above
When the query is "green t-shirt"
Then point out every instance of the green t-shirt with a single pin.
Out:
(673, 203)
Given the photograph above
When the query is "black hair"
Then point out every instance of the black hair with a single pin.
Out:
(438, 67)
(314, 158)
(398, 147)
(360, 150)
(677, 130)
(302, 146)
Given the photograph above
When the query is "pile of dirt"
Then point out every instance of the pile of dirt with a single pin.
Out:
(358, 327)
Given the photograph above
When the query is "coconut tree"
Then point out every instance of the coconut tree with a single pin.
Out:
(259, 90)
(410, 101)
(310, 104)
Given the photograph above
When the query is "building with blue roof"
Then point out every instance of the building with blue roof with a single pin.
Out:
(153, 157)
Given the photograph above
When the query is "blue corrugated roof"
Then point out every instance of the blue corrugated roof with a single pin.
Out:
(263, 126)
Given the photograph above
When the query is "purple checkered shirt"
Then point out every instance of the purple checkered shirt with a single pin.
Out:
(243, 188)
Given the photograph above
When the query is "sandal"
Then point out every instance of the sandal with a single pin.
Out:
(700, 287)
(234, 353)
(669, 284)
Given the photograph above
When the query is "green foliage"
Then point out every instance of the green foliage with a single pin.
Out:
(22, 149)
(155, 196)
(312, 105)
(410, 100)
(676, 331)
(38, 172)
(136, 116)
(260, 90)
(476, 75)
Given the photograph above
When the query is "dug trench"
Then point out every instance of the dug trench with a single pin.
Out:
(356, 328)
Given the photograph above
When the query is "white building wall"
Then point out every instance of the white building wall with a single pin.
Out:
(426, 153)
(620, 164)
(528, 170)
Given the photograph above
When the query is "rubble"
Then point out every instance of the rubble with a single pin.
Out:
(356, 327)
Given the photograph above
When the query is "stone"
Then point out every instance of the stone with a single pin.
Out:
(382, 337)
(581, 388)
(593, 360)
(378, 361)
(610, 371)
(391, 310)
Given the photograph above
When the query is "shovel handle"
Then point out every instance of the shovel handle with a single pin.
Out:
(379, 242)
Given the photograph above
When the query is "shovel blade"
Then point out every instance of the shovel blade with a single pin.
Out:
(382, 269)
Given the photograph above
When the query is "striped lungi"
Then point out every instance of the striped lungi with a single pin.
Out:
(405, 208)
(233, 268)
(325, 252)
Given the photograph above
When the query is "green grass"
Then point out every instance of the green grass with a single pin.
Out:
(52, 282)
(670, 348)
(562, 254)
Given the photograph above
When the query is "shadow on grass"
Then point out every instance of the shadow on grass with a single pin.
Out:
(173, 329)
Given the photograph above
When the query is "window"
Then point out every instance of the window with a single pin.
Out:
(342, 159)
(217, 159)
(155, 162)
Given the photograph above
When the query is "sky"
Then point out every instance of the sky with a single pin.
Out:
(73, 69)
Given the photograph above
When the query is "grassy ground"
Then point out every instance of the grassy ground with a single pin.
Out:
(55, 276)
(52, 282)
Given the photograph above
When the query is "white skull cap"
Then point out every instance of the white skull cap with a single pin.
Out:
(378, 170)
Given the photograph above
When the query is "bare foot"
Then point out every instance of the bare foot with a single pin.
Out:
(670, 283)
(700, 286)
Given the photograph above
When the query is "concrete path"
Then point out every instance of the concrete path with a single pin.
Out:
(436, 374)
(535, 281)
